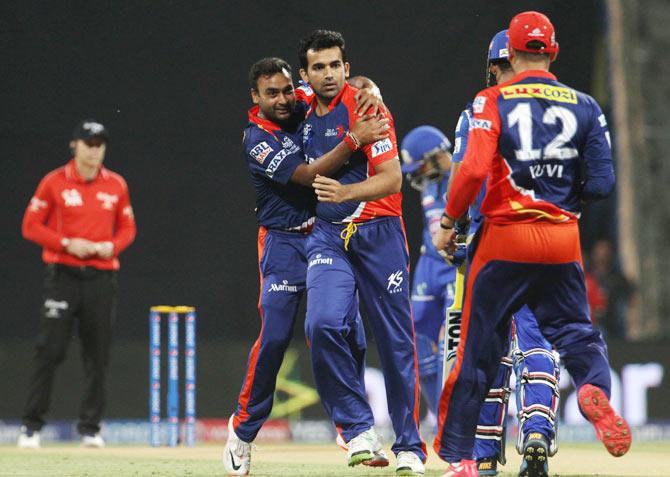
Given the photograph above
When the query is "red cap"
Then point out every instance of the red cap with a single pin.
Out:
(533, 26)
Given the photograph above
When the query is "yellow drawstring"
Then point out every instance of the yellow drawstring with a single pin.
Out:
(347, 233)
(517, 207)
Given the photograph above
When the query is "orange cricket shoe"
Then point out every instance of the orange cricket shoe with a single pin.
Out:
(611, 429)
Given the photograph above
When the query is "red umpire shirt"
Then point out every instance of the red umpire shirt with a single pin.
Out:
(67, 206)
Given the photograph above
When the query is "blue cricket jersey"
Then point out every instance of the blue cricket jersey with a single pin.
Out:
(272, 156)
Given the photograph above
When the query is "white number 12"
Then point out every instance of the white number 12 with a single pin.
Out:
(556, 149)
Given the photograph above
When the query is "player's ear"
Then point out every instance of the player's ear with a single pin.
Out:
(73, 144)
(346, 70)
(255, 97)
(303, 75)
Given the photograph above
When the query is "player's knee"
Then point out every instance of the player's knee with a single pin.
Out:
(323, 327)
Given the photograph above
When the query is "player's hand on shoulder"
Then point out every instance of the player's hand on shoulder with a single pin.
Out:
(369, 129)
(329, 190)
(369, 100)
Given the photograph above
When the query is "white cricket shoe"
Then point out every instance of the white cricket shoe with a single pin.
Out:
(237, 453)
(28, 439)
(379, 460)
(362, 448)
(92, 441)
(408, 463)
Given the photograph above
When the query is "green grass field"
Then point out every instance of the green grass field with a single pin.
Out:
(64, 460)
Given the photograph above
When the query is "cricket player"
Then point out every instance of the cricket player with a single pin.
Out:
(426, 161)
(284, 210)
(532, 136)
(535, 364)
(357, 246)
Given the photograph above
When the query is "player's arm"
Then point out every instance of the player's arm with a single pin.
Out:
(597, 158)
(460, 145)
(125, 229)
(386, 181)
(366, 130)
(35, 217)
(482, 146)
(34, 226)
(481, 149)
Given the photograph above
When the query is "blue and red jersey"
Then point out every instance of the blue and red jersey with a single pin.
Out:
(544, 146)
(272, 156)
(320, 134)
(460, 146)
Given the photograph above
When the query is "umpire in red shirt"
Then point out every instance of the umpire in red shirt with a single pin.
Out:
(82, 218)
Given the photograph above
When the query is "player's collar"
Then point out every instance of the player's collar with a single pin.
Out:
(262, 123)
(532, 74)
(333, 102)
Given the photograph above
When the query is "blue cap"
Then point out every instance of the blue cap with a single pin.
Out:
(419, 143)
(498, 48)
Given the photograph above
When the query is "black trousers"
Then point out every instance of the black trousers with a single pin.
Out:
(82, 297)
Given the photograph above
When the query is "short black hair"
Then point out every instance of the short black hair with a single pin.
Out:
(266, 67)
(320, 40)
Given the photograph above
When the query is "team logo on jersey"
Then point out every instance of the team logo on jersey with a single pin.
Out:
(108, 200)
(380, 147)
(282, 287)
(395, 280)
(72, 198)
(337, 131)
(539, 90)
(53, 307)
(319, 260)
(261, 151)
(37, 204)
(484, 124)
(287, 143)
(478, 104)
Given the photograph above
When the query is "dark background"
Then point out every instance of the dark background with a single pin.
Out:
(169, 80)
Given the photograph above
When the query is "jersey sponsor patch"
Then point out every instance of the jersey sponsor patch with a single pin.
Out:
(291, 148)
(380, 147)
(539, 90)
(484, 124)
(261, 151)
(478, 104)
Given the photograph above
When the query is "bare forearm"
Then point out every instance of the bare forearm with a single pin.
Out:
(373, 188)
(325, 165)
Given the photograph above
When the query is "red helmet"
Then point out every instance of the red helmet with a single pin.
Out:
(530, 27)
